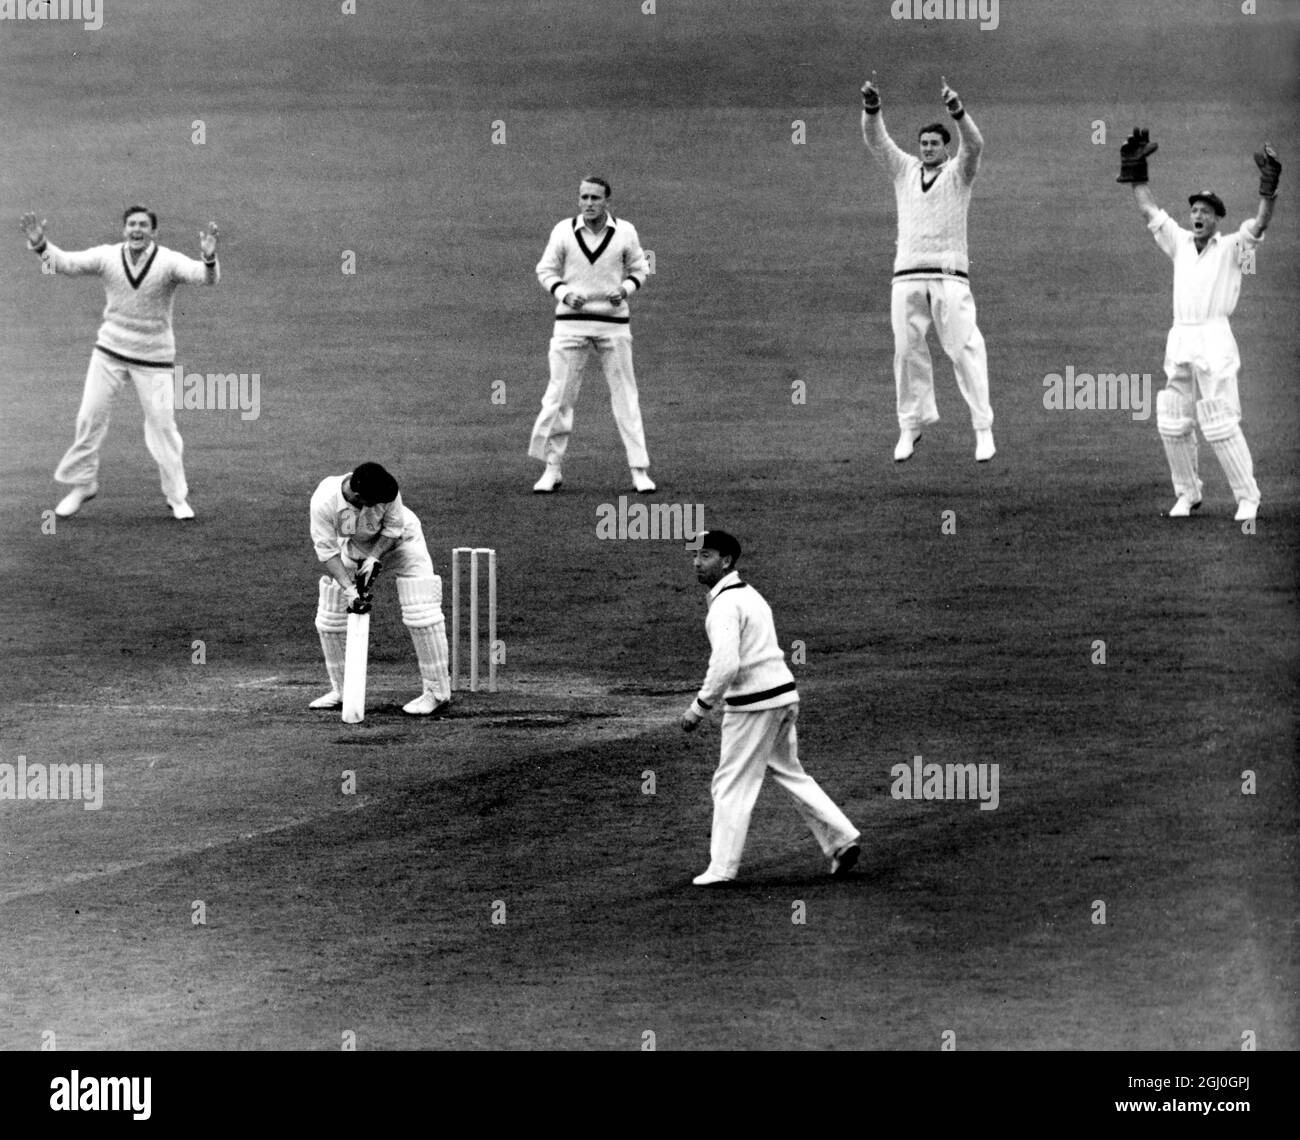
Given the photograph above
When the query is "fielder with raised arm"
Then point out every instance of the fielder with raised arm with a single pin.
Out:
(358, 522)
(931, 268)
(1200, 351)
(135, 343)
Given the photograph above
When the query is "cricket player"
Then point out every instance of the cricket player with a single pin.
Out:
(135, 344)
(1200, 352)
(358, 521)
(748, 673)
(931, 269)
(592, 264)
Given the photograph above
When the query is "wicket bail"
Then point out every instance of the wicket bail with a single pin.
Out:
(491, 558)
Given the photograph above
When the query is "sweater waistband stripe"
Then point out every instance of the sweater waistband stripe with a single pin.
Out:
(133, 360)
(767, 694)
(593, 317)
(930, 271)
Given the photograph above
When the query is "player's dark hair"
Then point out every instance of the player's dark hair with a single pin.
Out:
(373, 483)
(153, 218)
(599, 181)
(935, 129)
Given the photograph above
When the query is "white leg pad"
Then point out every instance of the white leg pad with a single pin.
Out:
(421, 600)
(1220, 423)
(1178, 433)
(332, 625)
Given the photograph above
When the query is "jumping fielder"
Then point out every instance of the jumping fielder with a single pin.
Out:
(135, 343)
(1201, 352)
(358, 521)
(747, 671)
(931, 269)
(592, 264)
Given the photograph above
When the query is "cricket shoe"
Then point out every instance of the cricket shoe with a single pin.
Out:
(1184, 507)
(426, 704)
(984, 449)
(551, 480)
(70, 504)
(330, 700)
(907, 441)
(181, 510)
(1246, 510)
(709, 879)
(845, 859)
(641, 481)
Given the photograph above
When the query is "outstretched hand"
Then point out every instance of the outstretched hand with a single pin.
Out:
(32, 228)
(208, 240)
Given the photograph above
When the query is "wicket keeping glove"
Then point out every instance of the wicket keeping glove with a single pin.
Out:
(1270, 170)
(1133, 156)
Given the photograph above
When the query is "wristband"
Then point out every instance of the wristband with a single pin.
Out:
(210, 260)
(41, 247)
(959, 113)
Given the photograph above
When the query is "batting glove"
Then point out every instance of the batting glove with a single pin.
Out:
(1270, 170)
(1133, 156)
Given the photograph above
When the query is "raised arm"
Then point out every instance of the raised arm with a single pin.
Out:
(886, 151)
(1270, 170)
(1133, 156)
(60, 261)
(972, 142)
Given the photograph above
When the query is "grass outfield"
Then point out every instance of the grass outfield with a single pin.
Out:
(1119, 783)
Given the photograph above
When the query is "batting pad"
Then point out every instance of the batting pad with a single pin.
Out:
(421, 600)
(1177, 432)
(1173, 413)
(1219, 419)
(332, 625)
(1220, 422)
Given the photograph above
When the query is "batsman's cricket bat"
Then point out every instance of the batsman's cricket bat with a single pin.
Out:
(354, 668)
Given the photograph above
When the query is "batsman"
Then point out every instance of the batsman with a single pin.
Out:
(358, 524)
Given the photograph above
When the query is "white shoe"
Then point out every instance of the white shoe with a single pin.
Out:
(182, 510)
(984, 449)
(426, 704)
(641, 481)
(1184, 507)
(330, 700)
(709, 879)
(907, 441)
(1246, 510)
(70, 504)
(551, 480)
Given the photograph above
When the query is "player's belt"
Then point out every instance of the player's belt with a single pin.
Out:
(766, 694)
(134, 360)
(931, 271)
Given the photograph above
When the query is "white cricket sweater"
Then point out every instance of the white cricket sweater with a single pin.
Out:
(335, 522)
(931, 209)
(747, 666)
(137, 324)
(571, 264)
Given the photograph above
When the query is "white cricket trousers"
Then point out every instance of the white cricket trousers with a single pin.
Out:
(753, 742)
(949, 305)
(105, 378)
(568, 356)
